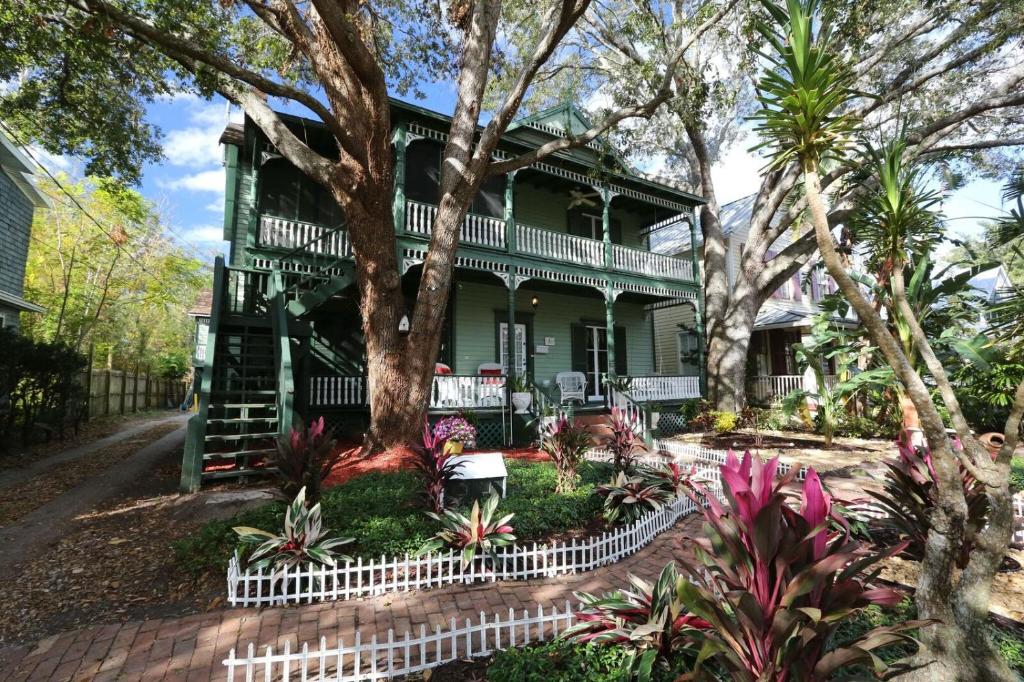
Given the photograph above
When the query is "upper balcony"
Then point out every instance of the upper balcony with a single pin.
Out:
(489, 233)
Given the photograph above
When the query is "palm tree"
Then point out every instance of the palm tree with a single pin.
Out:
(804, 94)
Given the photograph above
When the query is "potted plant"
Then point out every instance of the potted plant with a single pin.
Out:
(522, 397)
(457, 433)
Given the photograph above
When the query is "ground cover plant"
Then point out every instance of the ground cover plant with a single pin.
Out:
(383, 513)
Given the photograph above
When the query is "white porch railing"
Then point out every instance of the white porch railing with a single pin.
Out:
(291, 234)
(764, 388)
(451, 391)
(337, 391)
(476, 229)
(661, 388)
(560, 246)
(651, 264)
(448, 391)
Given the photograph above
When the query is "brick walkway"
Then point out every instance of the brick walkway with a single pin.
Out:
(193, 648)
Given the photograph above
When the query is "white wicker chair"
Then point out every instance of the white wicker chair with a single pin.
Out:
(573, 386)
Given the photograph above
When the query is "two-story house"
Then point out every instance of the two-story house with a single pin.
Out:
(19, 198)
(782, 322)
(555, 283)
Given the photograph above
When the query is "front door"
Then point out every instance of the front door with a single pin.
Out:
(597, 362)
(520, 347)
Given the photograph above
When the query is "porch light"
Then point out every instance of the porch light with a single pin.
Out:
(403, 325)
(535, 302)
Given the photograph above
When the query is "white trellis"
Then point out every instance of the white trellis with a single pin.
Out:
(309, 583)
(395, 657)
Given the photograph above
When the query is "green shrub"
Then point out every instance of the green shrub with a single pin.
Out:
(383, 512)
(725, 421)
(562, 661)
(1017, 474)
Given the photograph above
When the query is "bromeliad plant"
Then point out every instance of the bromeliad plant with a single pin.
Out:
(304, 459)
(479, 533)
(909, 496)
(775, 582)
(303, 541)
(566, 443)
(436, 468)
(626, 498)
(650, 620)
(621, 440)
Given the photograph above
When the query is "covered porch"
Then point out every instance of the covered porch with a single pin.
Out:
(774, 370)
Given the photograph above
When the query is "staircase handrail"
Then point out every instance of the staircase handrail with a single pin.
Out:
(192, 462)
(619, 396)
(328, 231)
(317, 270)
(543, 402)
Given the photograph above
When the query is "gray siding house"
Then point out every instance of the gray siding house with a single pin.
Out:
(19, 197)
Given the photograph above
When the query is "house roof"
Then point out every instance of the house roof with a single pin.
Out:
(783, 318)
(20, 303)
(203, 305)
(734, 216)
(19, 169)
(234, 133)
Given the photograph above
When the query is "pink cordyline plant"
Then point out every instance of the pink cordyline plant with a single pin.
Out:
(621, 440)
(436, 468)
(566, 443)
(304, 459)
(775, 581)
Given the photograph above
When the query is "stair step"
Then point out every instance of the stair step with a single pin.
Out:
(240, 420)
(242, 390)
(211, 456)
(240, 436)
(236, 473)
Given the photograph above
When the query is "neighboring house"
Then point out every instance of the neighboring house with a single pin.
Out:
(549, 278)
(19, 198)
(784, 319)
(200, 314)
(993, 285)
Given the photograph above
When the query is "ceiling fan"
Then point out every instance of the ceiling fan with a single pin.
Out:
(580, 198)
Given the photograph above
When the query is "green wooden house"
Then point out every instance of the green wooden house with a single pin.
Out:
(554, 275)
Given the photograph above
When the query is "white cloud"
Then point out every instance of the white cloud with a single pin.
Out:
(737, 173)
(204, 181)
(193, 146)
(215, 206)
(52, 162)
(204, 234)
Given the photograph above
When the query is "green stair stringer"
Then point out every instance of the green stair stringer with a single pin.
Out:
(195, 438)
(286, 417)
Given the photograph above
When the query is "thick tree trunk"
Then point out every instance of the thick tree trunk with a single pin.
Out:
(728, 350)
(955, 648)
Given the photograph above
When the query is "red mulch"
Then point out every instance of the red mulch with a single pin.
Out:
(395, 459)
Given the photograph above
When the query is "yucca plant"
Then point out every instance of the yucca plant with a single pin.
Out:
(304, 459)
(671, 477)
(303, 540)
(650, 620)
(479, 533)
(566, 443)
(436, 468)
(909, 496)
(627, 498)
(621, 440)
(775, 581)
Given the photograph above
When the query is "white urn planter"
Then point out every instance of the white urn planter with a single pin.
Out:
(521, 401)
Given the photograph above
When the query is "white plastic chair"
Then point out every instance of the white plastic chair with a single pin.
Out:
(572, 386)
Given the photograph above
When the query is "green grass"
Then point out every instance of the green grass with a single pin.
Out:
(384, 513)
(562, 661)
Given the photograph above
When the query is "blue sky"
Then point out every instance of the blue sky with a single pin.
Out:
(188, 186)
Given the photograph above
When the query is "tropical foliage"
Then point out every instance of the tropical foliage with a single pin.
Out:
(566, 443)
(621, 440)
(304, 540)
(627, 498)
(304, 459)
(649, 620)
(774, 582)
(909, 498)
(436, 468)
(671, 476)
(479, 533)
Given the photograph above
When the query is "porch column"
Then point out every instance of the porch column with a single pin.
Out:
(698, 308)
(398, 197)
(510, 341)
(609, 331)
(606, 222)
(510, 219)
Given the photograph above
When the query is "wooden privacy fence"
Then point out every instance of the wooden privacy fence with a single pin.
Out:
(111, 391)
(395, 657)
(309, 583)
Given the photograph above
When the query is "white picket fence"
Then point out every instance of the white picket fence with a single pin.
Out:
(359, 578)
(1018, 518)
(395, 657)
